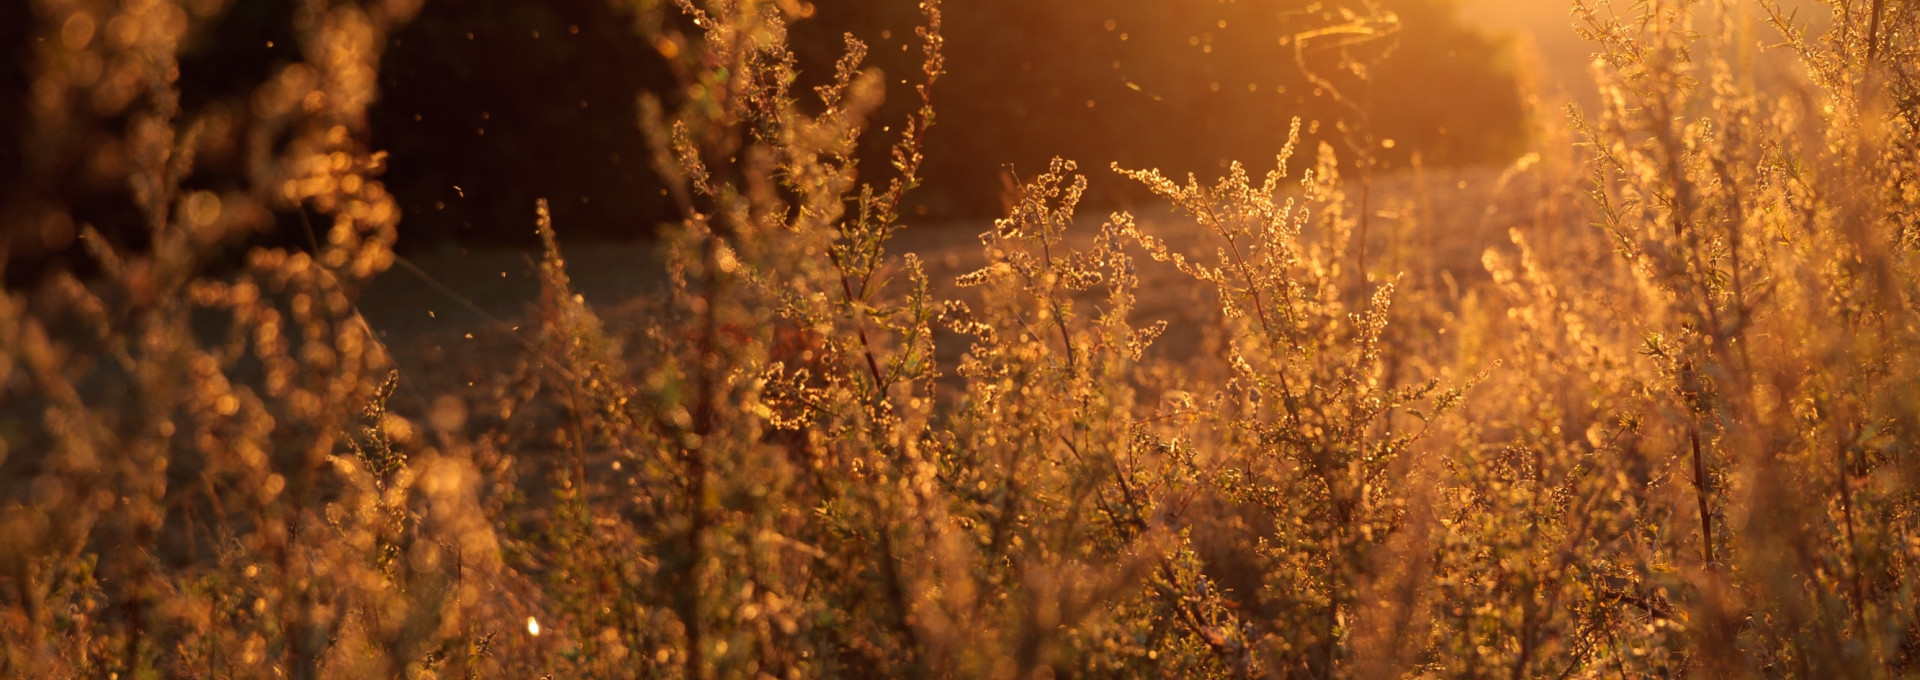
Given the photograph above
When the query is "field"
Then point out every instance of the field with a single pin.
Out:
(1632, 390)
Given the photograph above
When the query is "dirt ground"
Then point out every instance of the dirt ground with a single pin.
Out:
(454, 317)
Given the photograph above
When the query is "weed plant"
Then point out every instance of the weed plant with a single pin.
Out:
(1675, 438)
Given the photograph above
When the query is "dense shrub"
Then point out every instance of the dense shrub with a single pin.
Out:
(1674, 439)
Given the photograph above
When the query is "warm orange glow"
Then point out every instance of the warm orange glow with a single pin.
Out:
(981, 339)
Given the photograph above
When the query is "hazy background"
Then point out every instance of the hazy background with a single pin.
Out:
(488, 104)
(1546, 43)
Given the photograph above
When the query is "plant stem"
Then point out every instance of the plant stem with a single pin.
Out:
(1701, 492)
(1853, 553)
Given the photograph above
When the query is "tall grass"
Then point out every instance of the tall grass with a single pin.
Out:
(1669, 432)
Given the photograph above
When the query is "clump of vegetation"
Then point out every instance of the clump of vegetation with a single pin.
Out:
(1677, 441)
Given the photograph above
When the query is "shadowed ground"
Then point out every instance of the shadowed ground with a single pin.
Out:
(459, 316)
